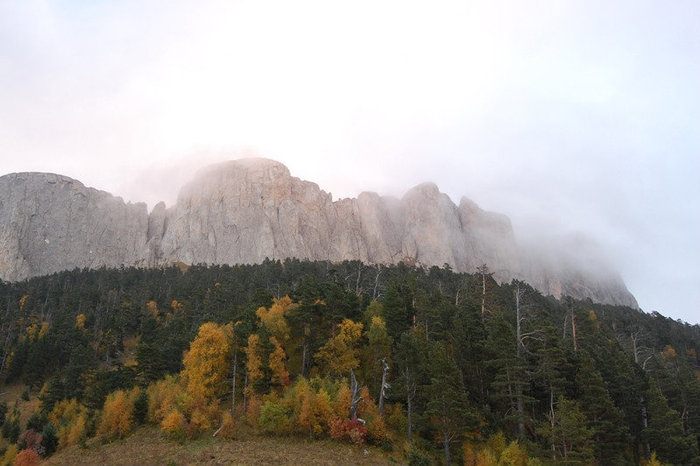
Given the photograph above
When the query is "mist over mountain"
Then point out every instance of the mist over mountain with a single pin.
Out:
(247, 210)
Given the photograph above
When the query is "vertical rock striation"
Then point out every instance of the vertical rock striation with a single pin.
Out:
(247, 210)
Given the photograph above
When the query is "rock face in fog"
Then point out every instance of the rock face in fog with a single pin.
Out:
(50, 222)
(246, 210)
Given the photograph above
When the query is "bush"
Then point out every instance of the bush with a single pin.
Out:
(273, 418)
(163, 397)
(417, 457)
(116, 420)
(9, 456)
(174, 424)
(71, 419)
(30, 440)
(227, 429)
(26, 457)
(348, 430)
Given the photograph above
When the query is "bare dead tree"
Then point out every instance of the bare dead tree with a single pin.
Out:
(484, 271)
(356, 398)
(375, 292)
(385, 386)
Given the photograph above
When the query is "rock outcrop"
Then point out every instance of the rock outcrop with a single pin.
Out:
(50, 222)
(246, 210)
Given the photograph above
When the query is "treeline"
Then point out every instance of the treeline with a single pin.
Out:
(445, 366)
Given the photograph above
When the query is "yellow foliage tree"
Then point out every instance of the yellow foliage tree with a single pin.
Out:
(343, 402)
(513, 455)
(70, 419)
(253, 363)
(341, 352)
(274, 318)
(116, 419)
(486, 458)
(80, 321)
(206, 364)
(280, 374)
(163, 398)
(173, 423)
(9, 457)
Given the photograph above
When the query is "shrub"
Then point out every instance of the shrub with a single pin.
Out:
(273, 418)
(9, 456)
(253, 410)
(376, 431)
(417, 457)
(348, 430)
(228, 426)
(513, 455)
(27, 457)
(30, 440)
(117, 413)
(174, 424)
(163, 397)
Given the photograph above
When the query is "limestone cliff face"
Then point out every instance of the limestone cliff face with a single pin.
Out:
(246, 210)
(50, 223)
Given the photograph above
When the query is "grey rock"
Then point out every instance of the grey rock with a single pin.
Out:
(51, 223)
(247, 210)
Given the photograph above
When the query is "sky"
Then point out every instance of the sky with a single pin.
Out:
(575, 117)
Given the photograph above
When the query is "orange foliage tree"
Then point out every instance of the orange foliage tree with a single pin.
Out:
(116, 420)
(206, 364)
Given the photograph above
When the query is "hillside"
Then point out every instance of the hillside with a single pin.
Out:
(474, 368)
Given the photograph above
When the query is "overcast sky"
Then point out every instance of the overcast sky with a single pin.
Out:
(569, 116)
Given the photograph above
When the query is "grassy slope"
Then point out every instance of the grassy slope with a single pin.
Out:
(147, 446)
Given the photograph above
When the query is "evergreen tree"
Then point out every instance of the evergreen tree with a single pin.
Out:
(665, 430)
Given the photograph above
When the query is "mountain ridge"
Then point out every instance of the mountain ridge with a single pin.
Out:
(246, 210)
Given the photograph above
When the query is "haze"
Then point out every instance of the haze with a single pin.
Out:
(576, 116)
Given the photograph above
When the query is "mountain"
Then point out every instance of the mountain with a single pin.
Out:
(246, 210)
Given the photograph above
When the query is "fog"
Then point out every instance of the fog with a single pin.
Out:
(573, 118)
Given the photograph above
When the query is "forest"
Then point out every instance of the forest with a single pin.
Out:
(435, 366)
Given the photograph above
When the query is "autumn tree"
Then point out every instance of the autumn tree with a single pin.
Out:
(206, 364)
(253, 366)
(280, 374)
(341, 352)
(116, 420)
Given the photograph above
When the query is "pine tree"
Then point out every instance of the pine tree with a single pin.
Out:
(448, 406)
(665, 430)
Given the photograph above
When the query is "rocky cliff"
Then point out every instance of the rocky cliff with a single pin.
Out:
(246, 210)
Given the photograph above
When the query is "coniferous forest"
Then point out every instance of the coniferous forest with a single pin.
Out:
(434, 366)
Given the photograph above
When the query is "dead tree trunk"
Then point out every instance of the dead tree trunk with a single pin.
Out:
(484, 271)
(375, 292)
(356, 398)
(385, 386)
